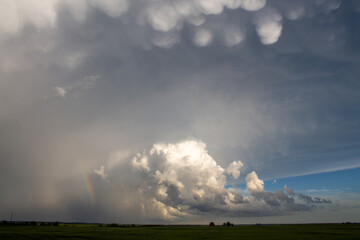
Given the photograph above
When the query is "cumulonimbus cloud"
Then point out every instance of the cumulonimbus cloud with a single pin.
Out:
(182, 180)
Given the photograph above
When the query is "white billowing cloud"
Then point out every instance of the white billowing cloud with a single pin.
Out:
(60, 91)
(180, 175)
(234, 169)
(140, 162)
(182, 179)
(202, 37)
(253, 183)
(188, 166)
(268, 25)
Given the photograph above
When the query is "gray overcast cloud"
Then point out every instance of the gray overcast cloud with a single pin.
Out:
(153, 108)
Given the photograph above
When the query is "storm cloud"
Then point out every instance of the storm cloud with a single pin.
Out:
(175, 182)
(270, 87)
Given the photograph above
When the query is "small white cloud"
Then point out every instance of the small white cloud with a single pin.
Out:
(60, 91)
(203, 37)
(101, 172)
(253, 183)
(268, 26)
(234, 169)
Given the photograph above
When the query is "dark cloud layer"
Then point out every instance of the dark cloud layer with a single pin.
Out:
(271, 83)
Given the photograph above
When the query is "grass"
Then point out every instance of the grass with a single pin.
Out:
(308, 231)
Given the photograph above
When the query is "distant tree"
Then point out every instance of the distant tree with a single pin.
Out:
(212, 224)
(112, 225)
(228, 224)
(55, 224)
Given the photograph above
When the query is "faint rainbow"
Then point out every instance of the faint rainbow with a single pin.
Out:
(89, 186)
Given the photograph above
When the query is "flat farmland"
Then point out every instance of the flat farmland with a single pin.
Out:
(83, 231)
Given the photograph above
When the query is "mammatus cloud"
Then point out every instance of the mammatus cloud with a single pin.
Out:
(268, 26)
(202, 37)
(166, 18)
(167, 15)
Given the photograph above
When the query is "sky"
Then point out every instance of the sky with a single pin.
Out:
(180, 111)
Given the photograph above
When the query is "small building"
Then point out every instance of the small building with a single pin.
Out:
(212, 224)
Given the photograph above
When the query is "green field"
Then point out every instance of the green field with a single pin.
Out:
(303, 232)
